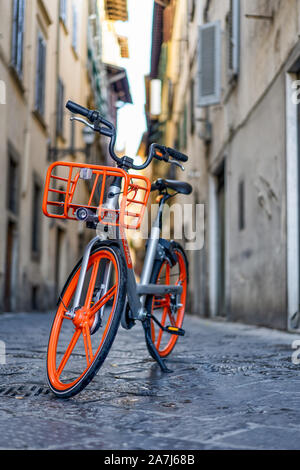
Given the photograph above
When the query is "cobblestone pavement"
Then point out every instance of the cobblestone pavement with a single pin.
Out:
(233, 387)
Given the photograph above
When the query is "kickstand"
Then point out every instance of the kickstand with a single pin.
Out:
(152, 348)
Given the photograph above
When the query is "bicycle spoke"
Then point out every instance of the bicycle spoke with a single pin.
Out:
(160, 303)
(110, 293)
(163, 320)
(89, 342)
(87, 345)
(168, 274)
(66, 318)
(165, 306)
(172, 319)
(92, 282)
(68, 352)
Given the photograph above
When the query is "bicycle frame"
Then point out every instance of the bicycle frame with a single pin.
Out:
(136, 293)
(119, 205)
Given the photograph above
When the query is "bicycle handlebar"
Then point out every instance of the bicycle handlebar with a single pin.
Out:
(157, 151)
(181, 157)
(163, 153)
(75, 108)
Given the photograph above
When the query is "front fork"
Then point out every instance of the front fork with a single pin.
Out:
(85, 260)
(102, 291)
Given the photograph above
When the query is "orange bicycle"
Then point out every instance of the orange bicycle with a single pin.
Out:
(101, 291)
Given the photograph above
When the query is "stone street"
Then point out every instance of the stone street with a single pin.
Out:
(232, 387)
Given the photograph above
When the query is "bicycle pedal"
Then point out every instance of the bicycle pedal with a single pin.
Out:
(174, 330)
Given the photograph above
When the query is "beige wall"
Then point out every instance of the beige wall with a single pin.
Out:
(30, 136)
(249, 136)
(181, 68)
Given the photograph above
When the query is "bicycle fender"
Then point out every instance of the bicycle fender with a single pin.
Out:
(165, 250)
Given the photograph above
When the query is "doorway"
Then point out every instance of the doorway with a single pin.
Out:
(10, 271)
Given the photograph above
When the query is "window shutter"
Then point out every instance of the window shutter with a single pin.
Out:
(60, 108)
(63, 10)
(43, 76)
(14, 42)
(18, 35)
(191, 9)
(192, 107)
(72, 135)
(234, 38)
(75, 26)
(21, 20)
(184, 128)
(209, 64)
(37, 79)
(40, 75)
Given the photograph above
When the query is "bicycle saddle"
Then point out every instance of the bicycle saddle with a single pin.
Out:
(179, 186)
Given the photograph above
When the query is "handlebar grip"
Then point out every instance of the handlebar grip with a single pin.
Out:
(177, 155)
(77, 109)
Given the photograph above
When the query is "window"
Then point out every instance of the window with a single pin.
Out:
(36, 217)
(75, 27)
(72, 135)
(63, 11)
(191, 9)
(233, 38)
(170, 98)
(177, 141)
(40, 75)
(18, 28)
(209, 64)
(13, 185)
(241, 203)
(192, 107)
(60, 108)
(184, 128)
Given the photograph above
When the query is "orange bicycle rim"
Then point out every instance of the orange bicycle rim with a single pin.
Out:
(164, 304)
(82, 322)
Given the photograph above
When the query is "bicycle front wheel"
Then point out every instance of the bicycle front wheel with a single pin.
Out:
(78, 347)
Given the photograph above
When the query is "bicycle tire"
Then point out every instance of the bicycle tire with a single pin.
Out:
(157, 270)
(59, 388)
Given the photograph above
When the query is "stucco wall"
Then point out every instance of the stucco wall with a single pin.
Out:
(256, 274)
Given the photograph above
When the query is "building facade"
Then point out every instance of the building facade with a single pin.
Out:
(229, 100)
(49, 52)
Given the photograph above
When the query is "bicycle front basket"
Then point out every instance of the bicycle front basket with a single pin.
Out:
(70, 186)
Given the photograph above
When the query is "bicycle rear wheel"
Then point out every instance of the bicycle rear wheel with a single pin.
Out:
(164, 307)
(77, 349)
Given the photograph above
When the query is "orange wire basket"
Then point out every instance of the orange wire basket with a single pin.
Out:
(70, 186)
